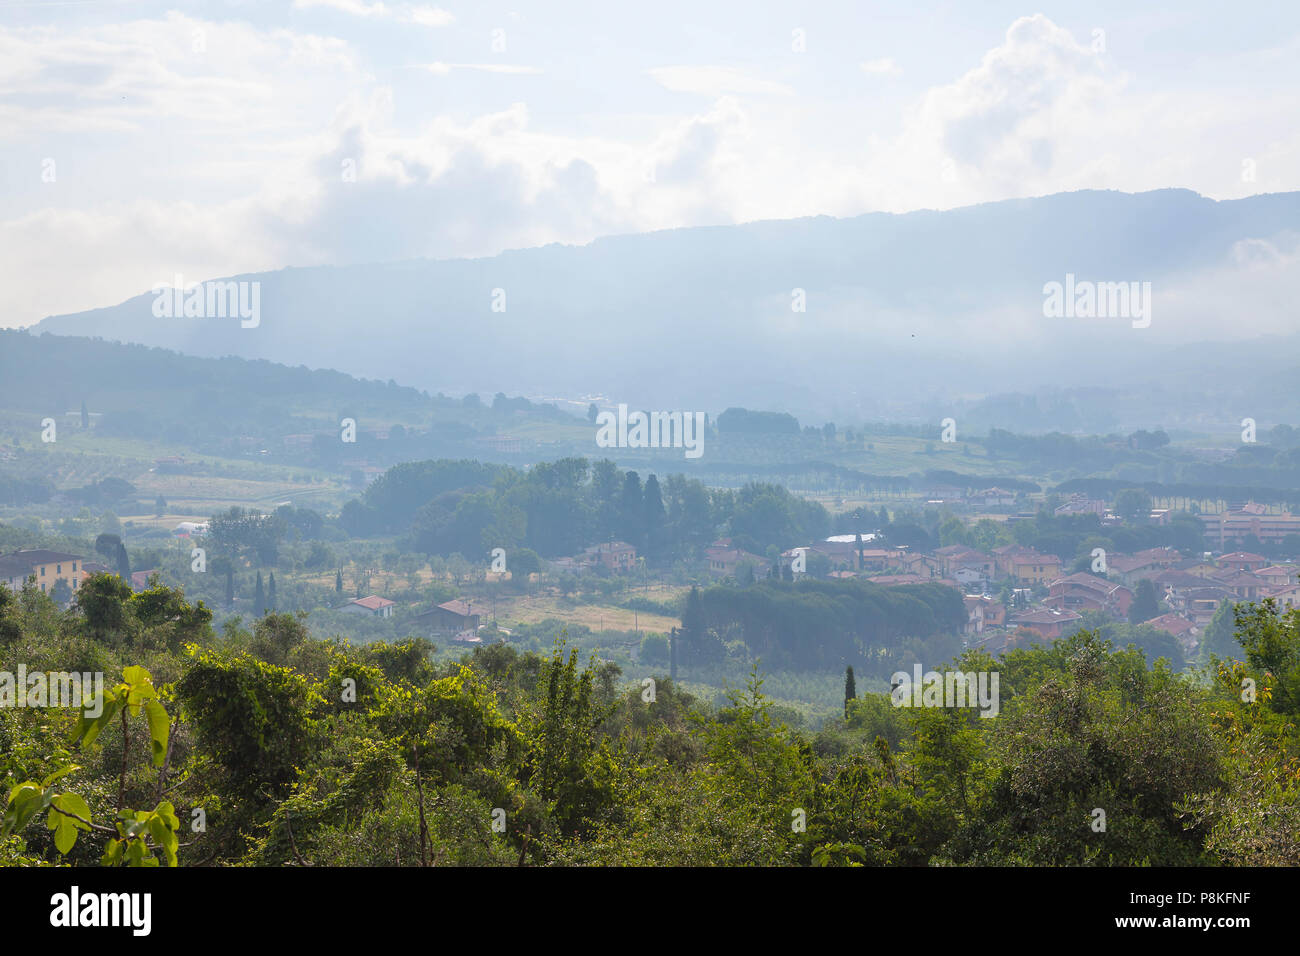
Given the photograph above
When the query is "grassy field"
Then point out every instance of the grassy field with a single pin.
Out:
(80, 457)
(900, 455)
(530, 609)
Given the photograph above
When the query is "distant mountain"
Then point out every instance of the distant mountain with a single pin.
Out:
(906, 316)
(240, 408)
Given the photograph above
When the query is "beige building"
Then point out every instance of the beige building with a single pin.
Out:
(48, 567)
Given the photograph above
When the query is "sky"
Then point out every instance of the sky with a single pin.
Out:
(142, 140)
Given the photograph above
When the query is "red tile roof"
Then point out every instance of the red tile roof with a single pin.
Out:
(463, 608)
(1171, 624)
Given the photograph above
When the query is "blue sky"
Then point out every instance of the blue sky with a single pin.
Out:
(141, 140)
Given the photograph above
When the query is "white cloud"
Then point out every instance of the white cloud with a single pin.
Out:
(882, 67)
(420, 14)
(128, 76)
(428, 16)
(442, 69)
(231, 160)
(714, 81)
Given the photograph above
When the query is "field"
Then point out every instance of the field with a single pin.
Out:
(530, 609)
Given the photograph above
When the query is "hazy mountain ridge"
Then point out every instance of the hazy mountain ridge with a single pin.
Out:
(896, 308)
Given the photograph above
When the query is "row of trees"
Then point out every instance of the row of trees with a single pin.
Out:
(557, 508)
(814, 624)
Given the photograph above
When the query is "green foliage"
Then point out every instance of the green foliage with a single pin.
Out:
(135, 829)
(134, 694)
(139, 833)
(255, 722)
(302, 752)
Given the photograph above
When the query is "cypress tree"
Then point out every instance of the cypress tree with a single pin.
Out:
(259, 598)
(270, 594)
(850, 690)
(672, 653)
(655, 518)
(632, 511)
(338, 581)
(123, 562)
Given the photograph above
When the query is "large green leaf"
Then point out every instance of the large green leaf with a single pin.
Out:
(88, 728)
(25, 801)
(140, 688)
(65, 831)
(65, 827)
(158, 728)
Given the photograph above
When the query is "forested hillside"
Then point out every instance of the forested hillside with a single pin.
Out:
(269, 747)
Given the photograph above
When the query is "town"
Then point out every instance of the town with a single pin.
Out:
(1013, 594)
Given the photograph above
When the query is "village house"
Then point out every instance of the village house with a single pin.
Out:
(1005, 557)
(1246, 586)
(956, 556)
(1160, 557)
(1035, 568)
(917, 562)
(1198, 604)
(724, 558)
(877, 559)
(982, 613)
(374, 606)
(1287, 598)
(1241, 561)
(1279, 575)
(969, 577)
(1196, 567)
(1131, 569)
(1087, 592)
(615, 555)
(451, 618)
(1047, 623)
(48, 567)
